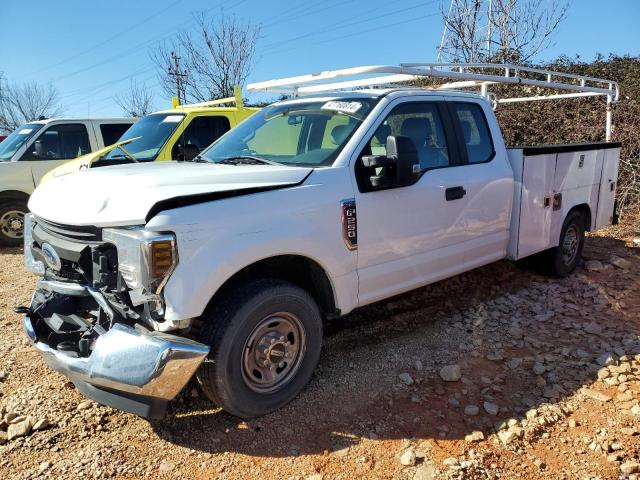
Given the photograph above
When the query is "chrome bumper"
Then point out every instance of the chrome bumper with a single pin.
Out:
(151, 365)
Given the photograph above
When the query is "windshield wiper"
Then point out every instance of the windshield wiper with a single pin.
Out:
(126, 155)
(247, 160)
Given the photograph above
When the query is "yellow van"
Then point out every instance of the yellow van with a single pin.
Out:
(179, 133)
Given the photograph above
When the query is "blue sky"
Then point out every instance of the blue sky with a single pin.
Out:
(89, 50)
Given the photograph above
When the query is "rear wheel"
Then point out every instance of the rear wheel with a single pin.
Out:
(12, 222)
(265, 341)
(562, 260)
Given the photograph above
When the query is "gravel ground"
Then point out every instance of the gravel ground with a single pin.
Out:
(497, 373)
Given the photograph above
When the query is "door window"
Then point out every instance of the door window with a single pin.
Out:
(422, 124)
(61, 142)
(111, 132)
(475, 132)
(200, 133)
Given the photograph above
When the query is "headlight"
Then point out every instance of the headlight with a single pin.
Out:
(30, 263)
(145, 259)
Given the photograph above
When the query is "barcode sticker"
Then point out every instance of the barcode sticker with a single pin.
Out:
(347, 107)
(172, 119)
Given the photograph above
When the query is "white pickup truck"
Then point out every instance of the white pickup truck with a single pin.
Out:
(226, 266)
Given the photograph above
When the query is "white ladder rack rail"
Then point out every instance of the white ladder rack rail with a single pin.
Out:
(466, 75)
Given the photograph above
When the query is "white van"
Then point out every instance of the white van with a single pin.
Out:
(37, 147)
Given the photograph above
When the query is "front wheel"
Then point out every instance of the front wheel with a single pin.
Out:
(12, 223)
(562, 260)
(265, 340)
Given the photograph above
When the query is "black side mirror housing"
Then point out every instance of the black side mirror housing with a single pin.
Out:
(400, 167)
(189, 152)
(402, 152)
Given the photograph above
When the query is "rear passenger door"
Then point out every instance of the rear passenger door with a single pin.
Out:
(198, 135)
(455, 217)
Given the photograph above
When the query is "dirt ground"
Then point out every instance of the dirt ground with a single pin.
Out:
(549, 388)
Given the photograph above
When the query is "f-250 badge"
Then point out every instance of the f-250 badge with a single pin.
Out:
(349, 223)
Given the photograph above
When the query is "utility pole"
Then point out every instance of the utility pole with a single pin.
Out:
(177, 74)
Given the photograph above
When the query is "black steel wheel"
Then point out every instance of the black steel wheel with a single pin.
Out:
(265, 340)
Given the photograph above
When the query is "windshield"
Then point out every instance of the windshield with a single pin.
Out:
(309, 134)
(10, 145)
(154, 131)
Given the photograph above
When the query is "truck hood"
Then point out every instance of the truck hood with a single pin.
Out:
(126, 194)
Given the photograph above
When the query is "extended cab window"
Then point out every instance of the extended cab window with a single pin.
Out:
(475, 131)
(111, 132)
(200, 133)
(61, 142)
(421, 123)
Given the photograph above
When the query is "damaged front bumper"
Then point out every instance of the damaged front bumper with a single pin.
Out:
(128, 368)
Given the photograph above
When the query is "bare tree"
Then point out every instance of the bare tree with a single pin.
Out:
(208, 63)
(137, 101)
(21, 103)
(500, 30)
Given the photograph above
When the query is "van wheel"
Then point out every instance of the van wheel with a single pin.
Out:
(12, 223)
(265, 340)
(562, 260)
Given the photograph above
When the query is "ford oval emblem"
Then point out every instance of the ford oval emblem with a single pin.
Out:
(51, 257)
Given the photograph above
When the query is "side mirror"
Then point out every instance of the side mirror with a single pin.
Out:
(403, 154)
(400, 167)
(39, 152)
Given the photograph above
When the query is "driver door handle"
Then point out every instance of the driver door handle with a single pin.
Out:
(454, 193)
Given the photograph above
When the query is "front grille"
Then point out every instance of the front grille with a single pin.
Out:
(71, 232)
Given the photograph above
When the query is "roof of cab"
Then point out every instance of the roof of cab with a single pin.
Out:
(184, 109)
(87, 119)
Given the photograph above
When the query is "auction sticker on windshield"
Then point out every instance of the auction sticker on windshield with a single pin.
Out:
(172, 119)
(347, 107)
(25, 131)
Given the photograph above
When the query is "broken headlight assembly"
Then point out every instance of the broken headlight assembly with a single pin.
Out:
(145, 260)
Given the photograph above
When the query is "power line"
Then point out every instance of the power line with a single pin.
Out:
(345, 24)
(105, 42)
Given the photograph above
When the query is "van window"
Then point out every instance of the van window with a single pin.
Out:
(61, 142)
(475, 131)
(111, 132)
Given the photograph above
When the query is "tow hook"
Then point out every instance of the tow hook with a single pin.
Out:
(21, 310)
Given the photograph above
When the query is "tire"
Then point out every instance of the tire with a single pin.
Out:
(562, 260)
(247, 327)
(12, 222)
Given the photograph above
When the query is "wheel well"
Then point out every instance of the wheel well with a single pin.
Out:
(298, 270)
(13, 195)
(584, 210)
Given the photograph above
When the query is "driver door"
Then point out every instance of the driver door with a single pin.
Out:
(60, 143)
(445, 223)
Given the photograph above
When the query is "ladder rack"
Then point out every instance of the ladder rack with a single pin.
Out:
(236, 100)
(464, 75)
